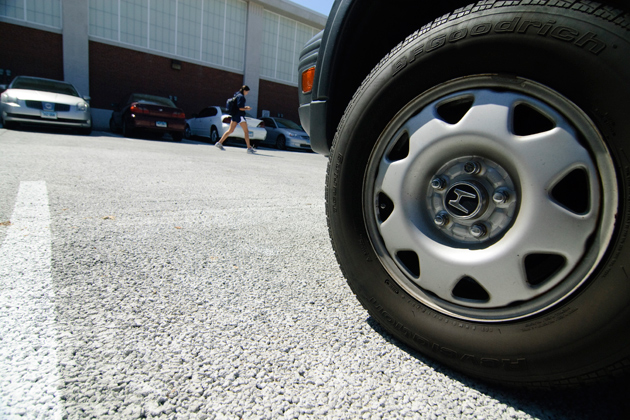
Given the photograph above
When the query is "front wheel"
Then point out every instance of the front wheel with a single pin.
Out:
(281, 142)
(477, 201)
(188, 132)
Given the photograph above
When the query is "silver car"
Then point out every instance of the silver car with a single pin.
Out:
(213, 121)
(35, 100)
(284, 134)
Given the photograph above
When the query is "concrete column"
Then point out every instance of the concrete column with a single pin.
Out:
(253, 50)
(76, 63)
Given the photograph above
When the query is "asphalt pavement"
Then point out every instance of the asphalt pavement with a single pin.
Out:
(144, 278)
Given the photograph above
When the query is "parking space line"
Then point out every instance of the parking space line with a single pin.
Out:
(28, 352)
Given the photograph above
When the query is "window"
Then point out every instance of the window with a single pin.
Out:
(43, 12)
(134, 15)
(283, 39)
(211, 31)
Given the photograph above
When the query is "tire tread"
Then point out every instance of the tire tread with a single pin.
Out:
(610, 14)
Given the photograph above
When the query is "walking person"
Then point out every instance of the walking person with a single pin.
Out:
(238, 117)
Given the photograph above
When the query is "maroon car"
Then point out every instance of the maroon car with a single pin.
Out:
(147, 113)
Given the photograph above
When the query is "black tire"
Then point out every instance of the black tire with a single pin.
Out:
(8, 125)
(187, 132)
(214, 135)
(525, 105)
(84, 131)
(281, 142)
(126, 130)
(112, 126)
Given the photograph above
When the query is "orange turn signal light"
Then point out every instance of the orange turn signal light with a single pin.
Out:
(308, 76)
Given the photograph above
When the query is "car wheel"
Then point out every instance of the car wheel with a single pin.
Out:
(281, 142)
(187, 132)
(127, 131)
(477, 194)
(214, 135)
(177, 135)
(112, 126)
(6, 124)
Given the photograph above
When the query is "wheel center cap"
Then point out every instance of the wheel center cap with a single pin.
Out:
(464, 200)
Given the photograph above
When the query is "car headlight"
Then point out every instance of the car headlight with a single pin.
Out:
(82, 106)
(8, 99)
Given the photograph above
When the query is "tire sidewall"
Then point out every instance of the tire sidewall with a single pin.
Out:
(590, 326)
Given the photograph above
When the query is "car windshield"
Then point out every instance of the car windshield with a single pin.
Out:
(282, 123)
(150, 99)
(45, 85)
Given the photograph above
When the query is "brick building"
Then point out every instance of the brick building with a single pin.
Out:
(197, 51)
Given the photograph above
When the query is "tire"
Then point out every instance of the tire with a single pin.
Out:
(281, 142)
(187, 132)
(477, 193)
(126, 130)
(9, 125)
(84, 131)
(112, 126)
(214, 135)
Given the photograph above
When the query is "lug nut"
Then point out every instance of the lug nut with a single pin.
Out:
(500, 196)
(441, 219)
(472, 167)
(478, 230)
(438, 183)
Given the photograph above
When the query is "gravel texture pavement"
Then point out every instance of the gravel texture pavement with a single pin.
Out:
(176, 281)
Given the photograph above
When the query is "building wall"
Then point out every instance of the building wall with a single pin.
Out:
(116, 72)
(110, 48)
(23, 50)
(278, 99)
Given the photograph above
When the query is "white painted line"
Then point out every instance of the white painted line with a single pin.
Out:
(28, 357)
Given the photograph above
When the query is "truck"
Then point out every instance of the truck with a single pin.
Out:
(478, 181)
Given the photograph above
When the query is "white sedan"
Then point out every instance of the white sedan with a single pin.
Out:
(34, 100)
(213, 121)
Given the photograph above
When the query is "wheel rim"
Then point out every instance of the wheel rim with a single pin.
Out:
(488, 199)
(281, 142)
(214, 135)
(187, 132)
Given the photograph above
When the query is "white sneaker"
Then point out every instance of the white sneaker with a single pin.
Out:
(219, 146)
(251, 150)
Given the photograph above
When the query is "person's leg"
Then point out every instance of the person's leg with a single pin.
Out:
(229, 131)
(246, 133)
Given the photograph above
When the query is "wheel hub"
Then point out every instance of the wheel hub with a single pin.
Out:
(473, 200)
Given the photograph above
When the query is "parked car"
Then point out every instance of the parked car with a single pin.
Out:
(478, 190)
(284, 134)
(213, 121)
(35, 100)
(140, 112)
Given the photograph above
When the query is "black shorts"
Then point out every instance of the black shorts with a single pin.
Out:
(237, 119)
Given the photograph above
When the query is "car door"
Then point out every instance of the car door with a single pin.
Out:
(272, 132)
(201, 125)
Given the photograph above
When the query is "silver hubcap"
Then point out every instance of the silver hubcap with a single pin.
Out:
(490, 200)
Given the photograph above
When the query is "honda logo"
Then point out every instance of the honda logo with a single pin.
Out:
(464, 200)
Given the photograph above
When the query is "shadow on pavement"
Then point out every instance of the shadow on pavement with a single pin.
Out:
(610, 400)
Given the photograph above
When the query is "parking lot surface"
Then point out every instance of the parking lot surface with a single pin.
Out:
(151, 279)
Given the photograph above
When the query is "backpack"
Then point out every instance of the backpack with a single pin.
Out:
(231, 105)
